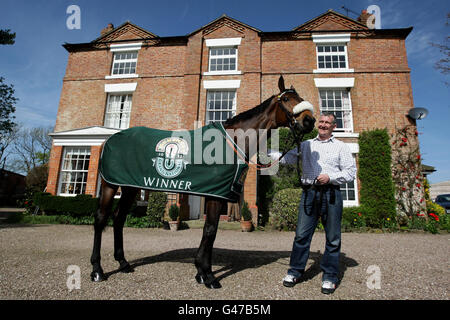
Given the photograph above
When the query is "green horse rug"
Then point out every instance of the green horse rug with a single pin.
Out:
(204, 162)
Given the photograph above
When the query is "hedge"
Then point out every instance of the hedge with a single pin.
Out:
(375, 174)
(78, 206)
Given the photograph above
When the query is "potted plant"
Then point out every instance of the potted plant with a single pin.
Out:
(174, 213)
(246, 218)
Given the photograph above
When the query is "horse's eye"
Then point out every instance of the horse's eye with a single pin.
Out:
(285, 99)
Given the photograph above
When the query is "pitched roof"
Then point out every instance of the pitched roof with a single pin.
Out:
(124, 28)
(346, 22)
(224, 19)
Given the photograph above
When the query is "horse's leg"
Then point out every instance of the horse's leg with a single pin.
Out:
(120, 215)
(204, 253)
(101, 219)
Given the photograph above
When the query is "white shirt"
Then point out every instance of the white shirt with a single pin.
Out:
(331, 156)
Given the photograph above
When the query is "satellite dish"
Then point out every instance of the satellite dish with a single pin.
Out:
(417, 113)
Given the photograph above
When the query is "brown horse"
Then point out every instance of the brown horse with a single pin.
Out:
(287, 109)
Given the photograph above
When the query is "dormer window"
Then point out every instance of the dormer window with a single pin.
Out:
(125, 56)
(331, 53)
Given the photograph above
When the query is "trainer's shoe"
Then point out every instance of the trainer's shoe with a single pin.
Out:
(328, 287)
(290, 281)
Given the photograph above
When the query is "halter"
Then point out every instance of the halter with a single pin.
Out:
(296, 130)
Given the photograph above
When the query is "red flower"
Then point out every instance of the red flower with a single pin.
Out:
(420, 215)
(418, 157)
(434, 216)
(416, 133)
(421, 200)
(404, 139)
(402, 144)
(359, 214)
(403, 189)
(418, 185)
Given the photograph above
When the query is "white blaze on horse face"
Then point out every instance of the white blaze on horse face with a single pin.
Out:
(303, 106)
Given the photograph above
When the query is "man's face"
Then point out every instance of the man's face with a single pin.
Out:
(326, 126)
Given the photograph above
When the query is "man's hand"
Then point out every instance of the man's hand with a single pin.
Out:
(323, 178)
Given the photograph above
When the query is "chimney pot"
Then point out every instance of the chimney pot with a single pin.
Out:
(107, 29)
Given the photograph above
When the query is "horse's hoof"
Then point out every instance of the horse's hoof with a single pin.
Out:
(97, 276)
(199, 279)
(126, 268)
(213, 285)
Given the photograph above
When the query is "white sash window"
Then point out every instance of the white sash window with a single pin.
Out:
(74, 171)
(220, 105)
(118, 111)
(339, 103)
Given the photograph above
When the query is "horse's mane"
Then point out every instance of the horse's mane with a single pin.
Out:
(249, 113)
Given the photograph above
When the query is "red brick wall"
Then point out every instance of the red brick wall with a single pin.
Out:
(53, 173)
(91, 184)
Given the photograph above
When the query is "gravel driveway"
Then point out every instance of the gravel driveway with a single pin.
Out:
(34, 261)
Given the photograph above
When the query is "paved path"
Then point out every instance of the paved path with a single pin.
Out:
(34, 260)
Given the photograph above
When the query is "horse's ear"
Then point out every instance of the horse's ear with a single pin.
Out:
(281, 84)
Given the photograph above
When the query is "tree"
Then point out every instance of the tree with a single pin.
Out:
(6, 37)
(7, 109)
(7, 101)
(443, 65)
(32, 148)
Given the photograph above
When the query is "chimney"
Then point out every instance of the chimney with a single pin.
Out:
(107, 29)
(364, 17)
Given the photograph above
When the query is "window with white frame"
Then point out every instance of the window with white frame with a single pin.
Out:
(332, 56)
(220, 105)
(74, 170)
(223, 59)
(124, 63)
(338, 102)
(348, 191)
(331, 52)
(118, 111)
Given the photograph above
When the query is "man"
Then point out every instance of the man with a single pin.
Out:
(327, 163)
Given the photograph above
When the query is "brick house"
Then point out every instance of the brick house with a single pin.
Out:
(131, 77)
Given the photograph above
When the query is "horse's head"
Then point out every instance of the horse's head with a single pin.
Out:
(294, 112)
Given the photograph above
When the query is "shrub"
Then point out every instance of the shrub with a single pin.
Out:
(245, 212)
(435, 208)
(174, 212)
(353, 217)
(284, 209)
(78, 206)
(377, 188)
(156, 206)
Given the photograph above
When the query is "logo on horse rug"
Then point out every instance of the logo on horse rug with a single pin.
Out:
(171, 152)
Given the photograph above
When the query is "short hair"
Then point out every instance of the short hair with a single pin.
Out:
(329, 114)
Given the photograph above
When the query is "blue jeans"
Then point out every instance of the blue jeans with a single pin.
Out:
(308, 217)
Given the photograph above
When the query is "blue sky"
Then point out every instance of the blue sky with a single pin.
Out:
(36, 64)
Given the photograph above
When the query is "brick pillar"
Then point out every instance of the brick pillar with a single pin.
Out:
(91, 184)
(53, 169)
